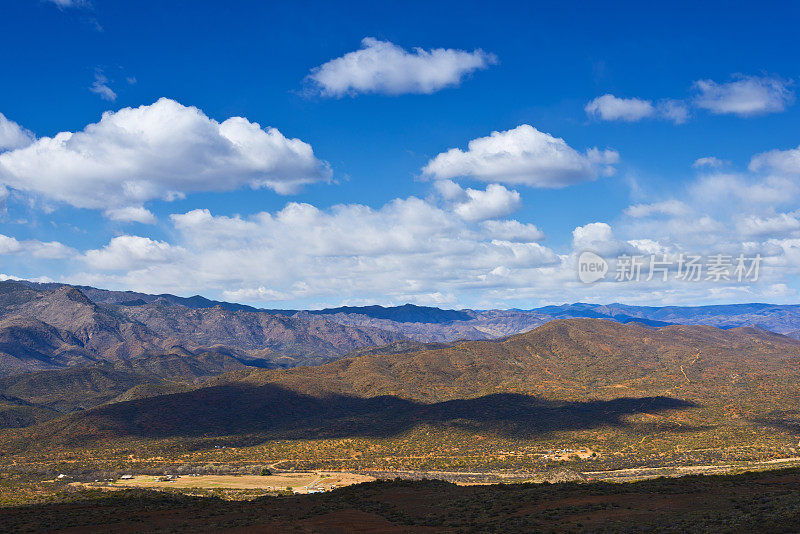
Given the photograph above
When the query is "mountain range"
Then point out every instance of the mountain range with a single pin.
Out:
(568, 375)
(67, 349)
(55, 327)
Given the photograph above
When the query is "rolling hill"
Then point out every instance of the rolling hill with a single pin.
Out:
(577, 376)
(44, 395)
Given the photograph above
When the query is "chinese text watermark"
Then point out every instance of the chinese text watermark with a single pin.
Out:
(661, 267)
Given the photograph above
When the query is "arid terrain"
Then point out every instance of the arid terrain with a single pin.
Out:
(132, 402)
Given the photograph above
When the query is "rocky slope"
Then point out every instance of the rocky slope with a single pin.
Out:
(57, 326)
(566, 375)
(430, 324)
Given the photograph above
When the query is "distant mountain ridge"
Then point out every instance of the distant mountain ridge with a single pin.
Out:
(57, 326)
(430, 324)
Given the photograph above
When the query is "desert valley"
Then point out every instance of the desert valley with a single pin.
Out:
(115, 391)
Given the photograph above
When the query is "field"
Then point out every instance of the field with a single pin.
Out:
(296, 482)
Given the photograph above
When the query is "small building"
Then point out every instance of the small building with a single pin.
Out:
(126, 477)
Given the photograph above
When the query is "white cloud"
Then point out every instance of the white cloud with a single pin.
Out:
(161, 151)
(745, 96)
(708, 161)
(782, 162)
(728, 190)
(383, 67)
(449, 189)
(9, 245)
(611, 108)
(51, 250)
(255, 294)
(40, 279)
(597, 237)
(724, 213)
(130, 252)
(408, 249)
(131, 214)
(12, 135)
(414, 250)
(523, 155)
(101, 87)
(512, 231)
(671, 207)
(70, 3)
(476, 205)
(782, 224)
(674, 110)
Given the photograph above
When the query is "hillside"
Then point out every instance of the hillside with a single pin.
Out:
(576, 378)
(34, 397)
(58, 326)
(563, 358)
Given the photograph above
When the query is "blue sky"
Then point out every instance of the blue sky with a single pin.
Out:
(716, 80)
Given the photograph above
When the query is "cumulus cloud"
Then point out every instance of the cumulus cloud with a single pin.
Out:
(131, 214)
(383, 67)
(130, 252)
(512, 231)
(51, 250)
(597, 237)
(101, 87)
(12, 135)
(727, 213)
(782, 224)
(159, 151)
(9, 245)
(523, 155)
(495, 201)
(407, 249)
(611, 108)
(745, 96)
(423, 250)
(783, 162)
(426, 251)
(476, 205)
(449, 190)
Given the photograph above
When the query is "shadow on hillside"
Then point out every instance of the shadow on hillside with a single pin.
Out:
(278, 413)
(783, 420)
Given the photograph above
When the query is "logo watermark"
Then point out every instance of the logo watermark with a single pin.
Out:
(591, 267)
(682, 267)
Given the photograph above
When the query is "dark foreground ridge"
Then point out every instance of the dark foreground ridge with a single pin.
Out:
(763, 502)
